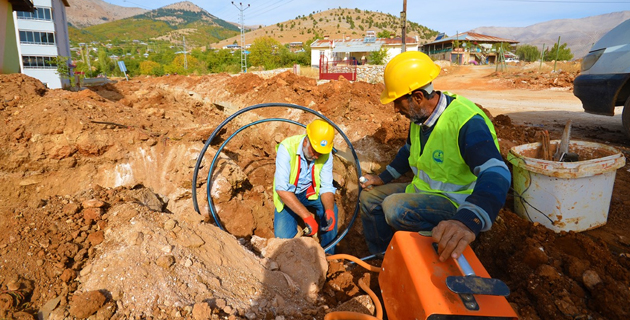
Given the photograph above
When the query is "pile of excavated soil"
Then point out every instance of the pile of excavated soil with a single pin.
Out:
(96, 206)
(535, 80)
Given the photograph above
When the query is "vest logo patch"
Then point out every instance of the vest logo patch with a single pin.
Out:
(438, 156)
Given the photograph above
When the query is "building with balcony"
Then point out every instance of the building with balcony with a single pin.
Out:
(43, 36)
(466, 48)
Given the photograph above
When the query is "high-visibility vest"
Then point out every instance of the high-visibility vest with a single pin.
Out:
(292, 144)
(440, 168)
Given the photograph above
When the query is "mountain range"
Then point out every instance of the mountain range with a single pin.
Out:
(99, 20)
(579, 34)
(171, 23)
(85, 13)
(200, 28)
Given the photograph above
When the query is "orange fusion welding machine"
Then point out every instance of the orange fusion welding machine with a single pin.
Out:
(416, 285)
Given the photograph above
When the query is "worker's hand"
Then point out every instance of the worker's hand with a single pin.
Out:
(311, 224)
(371, 180)
(330, 220)
(452, 237)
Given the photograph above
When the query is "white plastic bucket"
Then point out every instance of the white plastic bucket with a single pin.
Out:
(565, 196)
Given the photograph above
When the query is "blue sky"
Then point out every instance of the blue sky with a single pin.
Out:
(448, 16)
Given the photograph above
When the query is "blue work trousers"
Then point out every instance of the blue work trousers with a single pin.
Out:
(387, 208)
(285, 222)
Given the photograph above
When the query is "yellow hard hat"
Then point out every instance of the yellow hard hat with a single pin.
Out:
(407, 72)
(321, 135)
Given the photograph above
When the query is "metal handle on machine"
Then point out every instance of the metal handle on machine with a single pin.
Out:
(465, 266)
(461, 261)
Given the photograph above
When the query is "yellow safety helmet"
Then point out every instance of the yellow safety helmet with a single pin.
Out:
(407, 72)
(321, 135)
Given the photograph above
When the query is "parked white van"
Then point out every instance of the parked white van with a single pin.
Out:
(605, 78)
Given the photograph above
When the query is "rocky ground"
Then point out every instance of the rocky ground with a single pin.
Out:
(97, 216)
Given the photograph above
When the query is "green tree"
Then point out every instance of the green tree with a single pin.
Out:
(563, 54)
(163, 57)
(151, 68)
(133, 66)
(528, 52)
(265, 52)
(223, 61)
(63, 70)
(384, 34)
(378, 57)
(183, 65)
(498, 46)
(105, 65)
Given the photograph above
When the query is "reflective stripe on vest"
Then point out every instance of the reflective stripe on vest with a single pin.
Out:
(440, 168)
(292, 144)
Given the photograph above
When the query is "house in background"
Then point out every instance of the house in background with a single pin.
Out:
(296, 46)
(9, 55)
(465, 48)
(357, 51)
(43, 35)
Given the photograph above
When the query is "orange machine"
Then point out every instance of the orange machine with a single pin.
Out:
(413, 284)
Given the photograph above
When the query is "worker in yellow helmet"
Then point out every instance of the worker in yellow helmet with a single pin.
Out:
(460, 180)
(303, 179)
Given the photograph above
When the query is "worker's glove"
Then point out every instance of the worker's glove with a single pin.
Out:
(311, 226)
(330, 221)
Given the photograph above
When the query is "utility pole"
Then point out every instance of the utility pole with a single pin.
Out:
(403, 17)
(243, 55)
(185, 59)
(542, 57)
(87, 56)
(557, 53)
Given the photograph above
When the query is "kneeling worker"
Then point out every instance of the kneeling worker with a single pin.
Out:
(460, 181)
(303, 179)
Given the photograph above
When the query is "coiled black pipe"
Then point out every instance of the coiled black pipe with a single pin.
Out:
(250, 108)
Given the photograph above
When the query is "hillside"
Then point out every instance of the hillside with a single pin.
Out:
(85, 13)
(170, 23)
(335, 23)
(579, 34)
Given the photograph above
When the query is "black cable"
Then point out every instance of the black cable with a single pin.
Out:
(524, 201)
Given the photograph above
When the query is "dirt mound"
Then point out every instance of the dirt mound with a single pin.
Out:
(562, 80)
(119, 241)
(555, 276)
(19, 89)
(95, 194)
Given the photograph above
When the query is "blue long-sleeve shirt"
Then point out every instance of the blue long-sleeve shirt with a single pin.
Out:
(478, 150)
(283, 172)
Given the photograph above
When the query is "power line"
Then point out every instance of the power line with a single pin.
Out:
(139, 5)
(258, 9)
(263, 12)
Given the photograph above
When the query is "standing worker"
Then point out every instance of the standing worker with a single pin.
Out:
(460, 180)
(303, 179)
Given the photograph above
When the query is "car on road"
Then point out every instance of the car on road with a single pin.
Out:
(604, 82)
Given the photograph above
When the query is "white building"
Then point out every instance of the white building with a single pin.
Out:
(43, 35)
(358, 50)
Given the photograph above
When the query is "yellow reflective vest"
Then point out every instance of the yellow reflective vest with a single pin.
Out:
(292, 144)
(440, 168)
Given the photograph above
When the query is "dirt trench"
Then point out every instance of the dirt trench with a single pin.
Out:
(96, 187)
